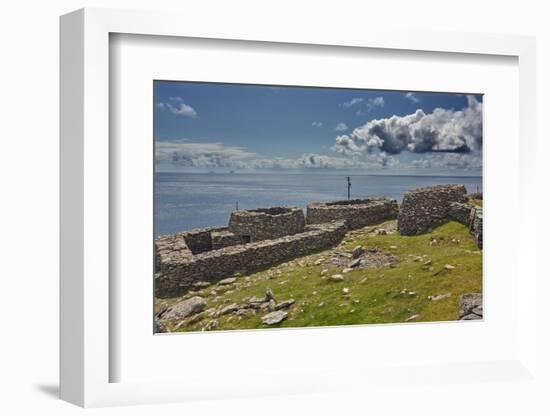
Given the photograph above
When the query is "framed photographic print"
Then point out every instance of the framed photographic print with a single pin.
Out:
(286, 213)
(371, 212)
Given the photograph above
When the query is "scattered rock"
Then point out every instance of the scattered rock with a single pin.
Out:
(228, 281)
(345, 291)
(213, 324)
(381, 231)
(470, 304)
(357, 252)
(185, 308)
(439, 297)
(471, 317)
(347, 270)
(284, 304)
(201, 284)
(269, 294)
(275, 317)
(324, 271)
(229, 309)
(393, 247)
(412, 318)
(160, 327)
(318, 262)
(354, 263)
(337, 278)
(449, 267)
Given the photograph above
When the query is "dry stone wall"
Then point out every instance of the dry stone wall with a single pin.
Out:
(357, 213)
(267, 223)
(425, 208)
(180, 273)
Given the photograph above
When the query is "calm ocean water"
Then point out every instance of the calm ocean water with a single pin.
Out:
(192, 200)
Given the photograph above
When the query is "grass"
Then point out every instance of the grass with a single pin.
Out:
(477, 202)
(376, 295)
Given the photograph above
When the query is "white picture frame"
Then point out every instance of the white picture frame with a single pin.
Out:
(85, 207)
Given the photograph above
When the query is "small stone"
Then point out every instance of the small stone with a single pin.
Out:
(228, 281)
(347, 270)
(337, 278)
(256, 300)
(439, 297)
(412, 318)
(345, 291)
(478, 310)
(393, 247)
(449, 267)
(229, 309)
(201, 284)
(324, 271)
(427, 262)
(470, 317)
(284, 304)
(275, 317)
(354, 263)
(381, 231)
(269, 294)
(357, 252)
(213, 324)
(321, 304)
(160, 327)
(318, 262)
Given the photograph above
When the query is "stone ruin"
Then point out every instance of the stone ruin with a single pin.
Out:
(423, 209)
(260, 238)
(357, 213)
(267, 223)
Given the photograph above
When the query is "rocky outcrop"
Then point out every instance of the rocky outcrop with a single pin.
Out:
(425, 208)
(357, 213)
(470, 306)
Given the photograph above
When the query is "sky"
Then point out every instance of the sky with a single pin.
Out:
(216, 127)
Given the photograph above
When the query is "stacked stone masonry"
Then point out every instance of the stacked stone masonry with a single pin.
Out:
(181, 272)
(267, 223)
(425, 208)
(255, 239)
(357, 213)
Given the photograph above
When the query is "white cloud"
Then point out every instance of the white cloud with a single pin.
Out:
(375, 102)
(341, 127)
(352, 102)
(317, 124)
(189, 154)
(412, 97)
(204, 155)
(440, 131)
(177, 106)
(465, 161)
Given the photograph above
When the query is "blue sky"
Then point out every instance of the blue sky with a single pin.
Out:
(248, 128)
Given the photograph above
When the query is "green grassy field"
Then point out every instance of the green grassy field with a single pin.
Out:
(443, 262)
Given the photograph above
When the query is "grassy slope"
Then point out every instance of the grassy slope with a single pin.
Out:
(374, 294)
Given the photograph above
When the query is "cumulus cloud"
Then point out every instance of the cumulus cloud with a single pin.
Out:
(341, 127)
(465, 161)
(317, 124)
(411, 96)
(375, 102)
(440, 131)
(177, 106)
(352, 102)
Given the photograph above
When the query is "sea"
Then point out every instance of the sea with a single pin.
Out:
(184, 201)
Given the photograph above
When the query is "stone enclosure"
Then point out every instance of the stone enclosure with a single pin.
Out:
(357, 213)
(260, 238)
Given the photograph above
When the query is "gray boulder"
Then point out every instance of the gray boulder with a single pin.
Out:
(470, 303)
(185, 308)
(275, 317)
